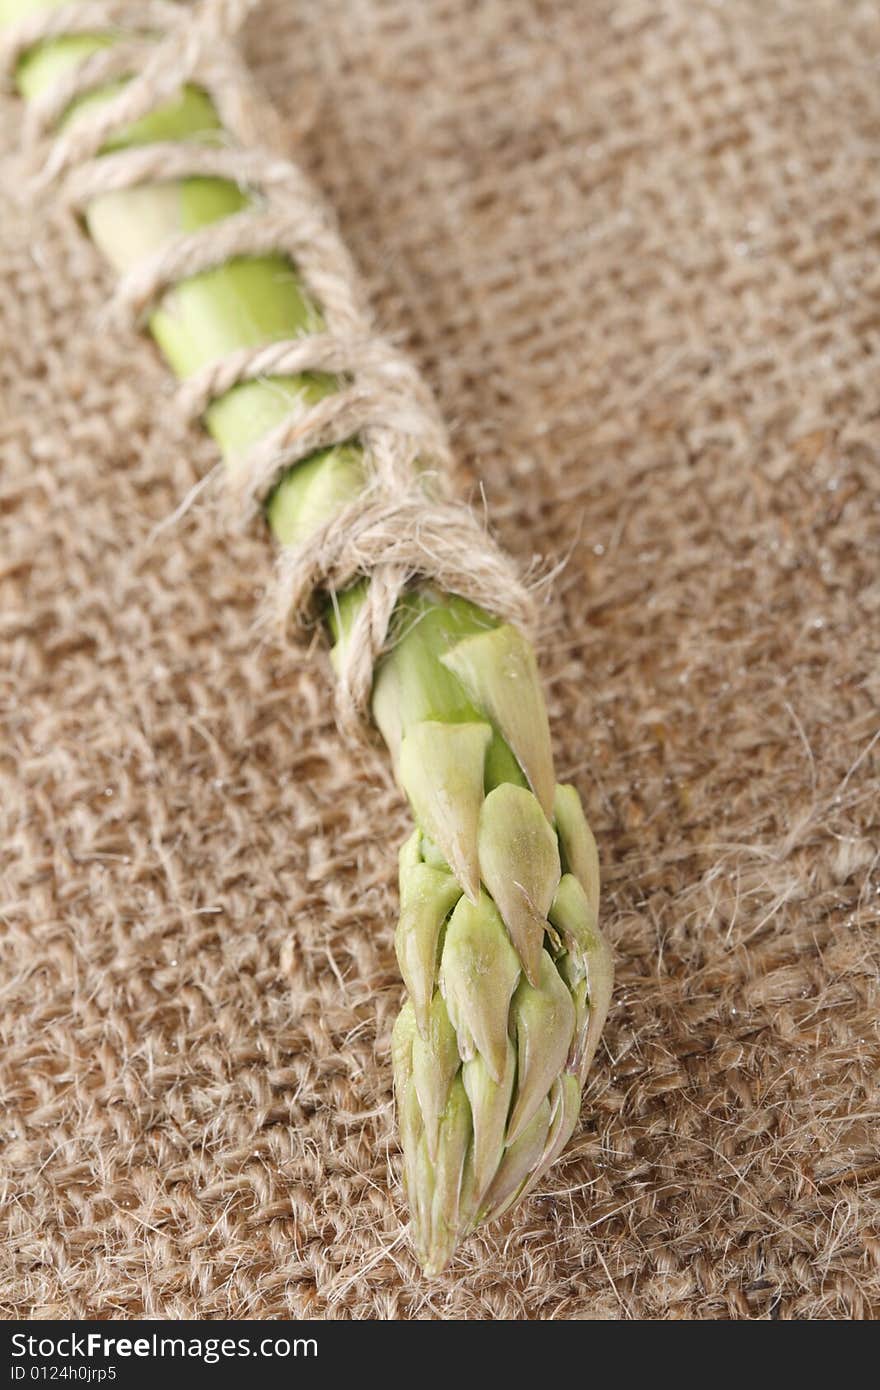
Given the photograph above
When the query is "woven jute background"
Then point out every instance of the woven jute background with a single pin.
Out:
(635, 248)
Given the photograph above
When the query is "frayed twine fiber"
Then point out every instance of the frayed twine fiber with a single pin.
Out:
(403, 525)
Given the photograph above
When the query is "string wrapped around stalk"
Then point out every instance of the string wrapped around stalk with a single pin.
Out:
(143, 117)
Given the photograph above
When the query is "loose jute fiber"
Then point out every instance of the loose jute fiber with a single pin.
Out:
(634, 250)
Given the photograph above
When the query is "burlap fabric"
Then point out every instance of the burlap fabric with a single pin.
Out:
(635, 249)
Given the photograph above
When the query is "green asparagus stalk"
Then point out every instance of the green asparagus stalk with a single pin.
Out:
(508, 976)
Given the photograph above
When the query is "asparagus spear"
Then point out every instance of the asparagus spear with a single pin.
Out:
(508, 975)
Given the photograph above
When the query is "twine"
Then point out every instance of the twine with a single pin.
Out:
(402, 526)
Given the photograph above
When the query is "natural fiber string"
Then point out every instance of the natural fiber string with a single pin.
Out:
(402, 525)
